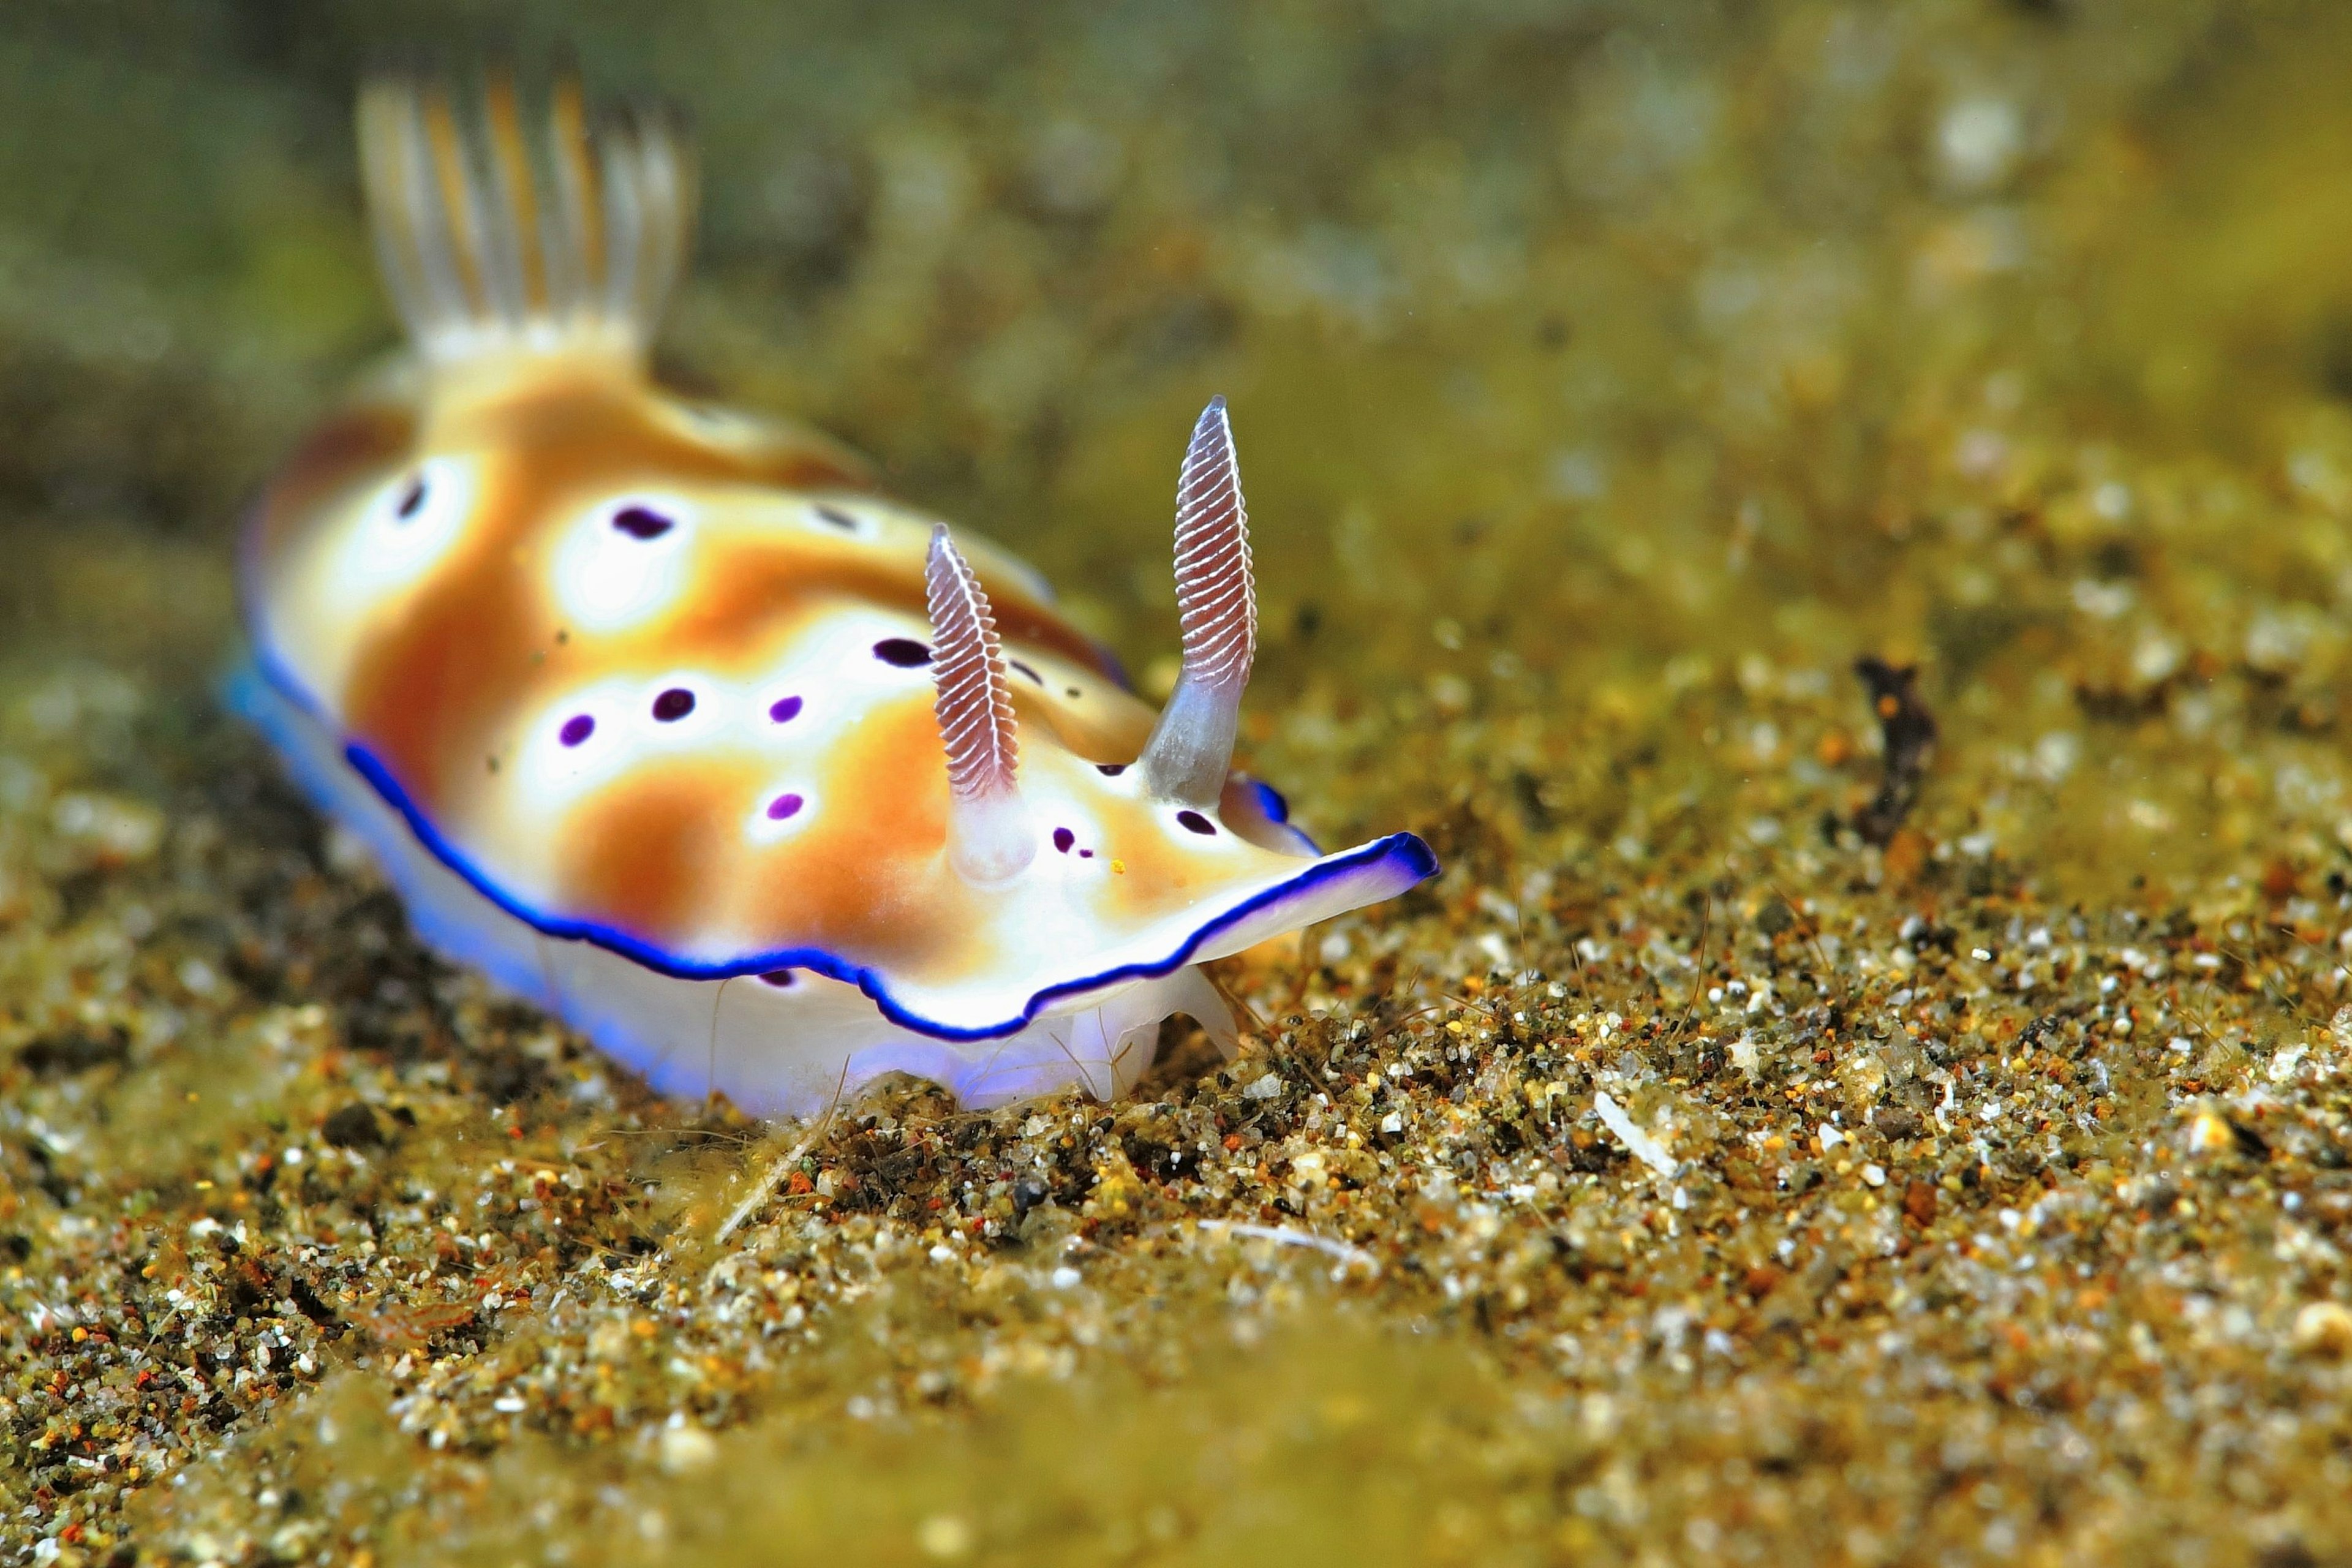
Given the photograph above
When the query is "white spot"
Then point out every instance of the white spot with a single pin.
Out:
(1980, 142)
(618, 713)
(2103, 600)
(1981, 454)
(686, 1449)
(607, 577)
(2055, 754)
(408, 525)
(1579, 474)
(2155, 657)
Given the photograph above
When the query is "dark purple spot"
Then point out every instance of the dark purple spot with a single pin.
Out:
(1085, 854)
(576, 729)
(1110, 770)
(412, 500)
(904, 652)
(1194, 822)
(779, 978)
(784, 806)
(784, 709)
(1026, 670)
(1064, 838)
(673, 704)
(838, 518)
(642, 522)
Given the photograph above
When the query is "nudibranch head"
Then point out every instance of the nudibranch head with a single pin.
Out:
(635, 698)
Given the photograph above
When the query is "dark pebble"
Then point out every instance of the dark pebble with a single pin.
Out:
(354, 1127)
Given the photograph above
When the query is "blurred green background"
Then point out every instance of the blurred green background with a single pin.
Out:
(1563, 338)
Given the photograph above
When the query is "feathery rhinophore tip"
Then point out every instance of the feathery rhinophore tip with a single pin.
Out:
(1192, 748)
(989, 837)
(1216, 595)
(496, 231)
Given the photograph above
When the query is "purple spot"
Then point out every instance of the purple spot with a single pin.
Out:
(642, 522)
(576, 729)
(1024, 670)
(904, 652)
(412, 500)
(784, 806)
(838, 518)
(779, 978)
(1064, 838)
(1194, 822)
(784, 709)
(673, 704)
(1110, 770)
(1085, 854)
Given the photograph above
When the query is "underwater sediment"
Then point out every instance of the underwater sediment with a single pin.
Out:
(1816, 1116)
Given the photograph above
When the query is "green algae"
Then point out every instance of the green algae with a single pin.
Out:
(1609, 379)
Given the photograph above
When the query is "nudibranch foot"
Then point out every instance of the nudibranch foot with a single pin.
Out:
(789, 1041)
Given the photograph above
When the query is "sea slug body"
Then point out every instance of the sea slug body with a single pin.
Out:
(634, 698)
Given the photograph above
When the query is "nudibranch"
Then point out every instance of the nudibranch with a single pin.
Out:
(663, 719)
